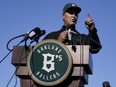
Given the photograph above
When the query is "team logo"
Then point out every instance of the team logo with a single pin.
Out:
(49, 63)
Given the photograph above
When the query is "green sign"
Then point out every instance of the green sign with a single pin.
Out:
(49, 63)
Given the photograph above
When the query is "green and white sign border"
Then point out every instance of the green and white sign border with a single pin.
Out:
(63, 77)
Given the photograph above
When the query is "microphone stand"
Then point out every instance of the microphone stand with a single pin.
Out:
(73, 43)
(26, 47)
(71, 39)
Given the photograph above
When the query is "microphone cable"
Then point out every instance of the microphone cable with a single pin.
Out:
(17, 67)
(5, 56)
(14, 73)
(81, 50)
(13, 39)
(11, 79)
(81, 56)
(10, 50)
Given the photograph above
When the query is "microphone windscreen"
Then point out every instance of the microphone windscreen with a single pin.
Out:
(43, 32)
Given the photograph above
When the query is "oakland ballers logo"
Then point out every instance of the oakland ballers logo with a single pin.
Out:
(49, 63)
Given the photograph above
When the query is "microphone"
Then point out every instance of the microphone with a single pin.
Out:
(42, 32)
(36, 38)
(70, 32)
(73, 32)
(34, 34)
(69, 35)
(72, 42)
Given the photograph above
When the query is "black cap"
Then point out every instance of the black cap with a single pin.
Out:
(106, 83)
(71, 5)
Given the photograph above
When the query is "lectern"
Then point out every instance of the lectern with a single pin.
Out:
(81, 67)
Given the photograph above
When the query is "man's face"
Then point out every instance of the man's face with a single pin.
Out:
(70, 17)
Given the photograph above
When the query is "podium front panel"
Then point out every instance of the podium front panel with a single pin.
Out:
(82, 57)
(82, 63)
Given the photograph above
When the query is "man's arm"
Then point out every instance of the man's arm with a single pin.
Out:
(94, 41)
(52, 35)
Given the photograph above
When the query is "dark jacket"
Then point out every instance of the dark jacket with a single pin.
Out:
(91, 39)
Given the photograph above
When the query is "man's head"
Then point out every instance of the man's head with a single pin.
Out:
(70, 14)
(106, 84)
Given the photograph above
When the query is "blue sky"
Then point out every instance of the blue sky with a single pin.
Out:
(20, 16)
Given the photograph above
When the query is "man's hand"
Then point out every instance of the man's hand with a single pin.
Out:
(89, 23)
(62, 36)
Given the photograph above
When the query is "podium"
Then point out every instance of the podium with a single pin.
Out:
(81, 68)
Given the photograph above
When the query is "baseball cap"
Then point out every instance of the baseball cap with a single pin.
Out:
(71, 5)
(106, 83)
